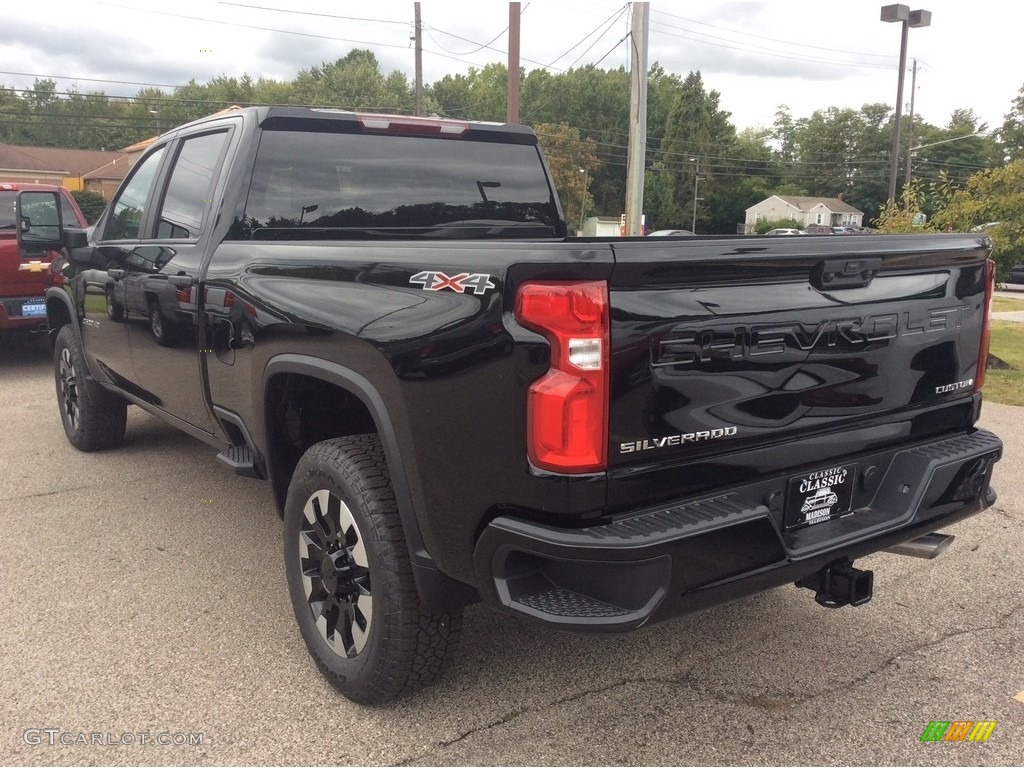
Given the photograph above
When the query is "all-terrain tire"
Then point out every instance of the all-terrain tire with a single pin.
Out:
(93, 418)
(350, 577)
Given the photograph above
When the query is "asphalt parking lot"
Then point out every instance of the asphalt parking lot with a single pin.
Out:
(144, 601)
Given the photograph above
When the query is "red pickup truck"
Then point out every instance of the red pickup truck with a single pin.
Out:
(24, 279)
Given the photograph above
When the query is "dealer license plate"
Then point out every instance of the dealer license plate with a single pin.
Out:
(33, 309)
(819, 496)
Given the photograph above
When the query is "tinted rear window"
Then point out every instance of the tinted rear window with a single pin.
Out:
(336, 185)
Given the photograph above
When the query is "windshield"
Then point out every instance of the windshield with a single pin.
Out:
(331, 185)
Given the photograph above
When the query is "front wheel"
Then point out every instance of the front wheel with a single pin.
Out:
(350, 578)
(93, 418)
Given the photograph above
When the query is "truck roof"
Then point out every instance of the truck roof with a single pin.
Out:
(346, 121)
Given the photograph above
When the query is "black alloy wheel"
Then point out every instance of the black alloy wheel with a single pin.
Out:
(336, 573)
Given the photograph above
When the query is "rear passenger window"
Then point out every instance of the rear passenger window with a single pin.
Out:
(190, 188)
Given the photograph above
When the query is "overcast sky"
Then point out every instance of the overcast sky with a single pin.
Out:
(757, 55)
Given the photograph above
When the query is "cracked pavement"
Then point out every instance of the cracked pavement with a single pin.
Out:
(143, 592)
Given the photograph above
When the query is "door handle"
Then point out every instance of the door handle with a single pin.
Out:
(846, 272)
(117, 274)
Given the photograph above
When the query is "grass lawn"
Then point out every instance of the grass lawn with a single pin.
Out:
(1008, 345)
(1001, 304)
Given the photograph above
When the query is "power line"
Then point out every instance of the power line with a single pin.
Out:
(311, 13)
(763, 37)
(235, 23)
(554, 96)
(87, 79)
(611, 20)
(772, 52)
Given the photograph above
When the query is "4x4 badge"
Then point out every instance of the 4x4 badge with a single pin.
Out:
(478, 283)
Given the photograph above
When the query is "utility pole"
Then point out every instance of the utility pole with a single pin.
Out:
(696, 178)
(419, 62)
(512, 113)
(637, 152)
(910, 128)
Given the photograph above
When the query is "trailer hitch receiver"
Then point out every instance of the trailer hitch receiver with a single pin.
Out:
(839, 584)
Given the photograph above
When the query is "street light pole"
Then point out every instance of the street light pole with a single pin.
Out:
(908, 19)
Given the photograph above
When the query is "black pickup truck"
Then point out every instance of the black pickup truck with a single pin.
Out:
(453, 401)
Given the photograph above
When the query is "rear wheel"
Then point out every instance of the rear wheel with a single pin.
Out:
(350, 578)
(93, 418)
(162, 328)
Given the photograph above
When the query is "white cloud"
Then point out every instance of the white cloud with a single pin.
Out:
(809, 55)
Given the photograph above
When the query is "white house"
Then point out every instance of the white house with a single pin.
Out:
(809, 211)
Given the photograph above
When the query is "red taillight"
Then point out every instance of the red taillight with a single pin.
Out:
(567, 408)
(986, 325)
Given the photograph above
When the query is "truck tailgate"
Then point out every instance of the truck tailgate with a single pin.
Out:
(745, 345)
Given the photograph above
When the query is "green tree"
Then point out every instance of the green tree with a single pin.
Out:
(1011, 135)
(749, 174)
(991, 197)
(573, 163)
(452, 94)
(698, 138)
(91, 203)
(354, 82)
(900, 216)
(15, 117)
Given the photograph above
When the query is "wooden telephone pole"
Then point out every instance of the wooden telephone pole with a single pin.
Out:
(512, 111)
(637, 152)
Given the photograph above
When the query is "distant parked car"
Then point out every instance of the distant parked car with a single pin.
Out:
(784, 232)
(844, 231)
(1016, 274)
(669, 232)
(816, 229)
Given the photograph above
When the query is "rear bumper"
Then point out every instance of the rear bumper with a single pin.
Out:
(676, 558)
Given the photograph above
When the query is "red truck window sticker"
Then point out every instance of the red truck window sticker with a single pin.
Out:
(478, 283)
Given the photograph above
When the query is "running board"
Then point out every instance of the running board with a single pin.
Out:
(240, 458)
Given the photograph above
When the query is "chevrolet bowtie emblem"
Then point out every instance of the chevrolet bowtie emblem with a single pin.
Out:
(33, 266)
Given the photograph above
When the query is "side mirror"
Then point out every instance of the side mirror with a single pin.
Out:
(39, 222)
(76, 241)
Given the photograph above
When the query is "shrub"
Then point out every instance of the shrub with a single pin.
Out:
(91, 203)
(768, 225)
